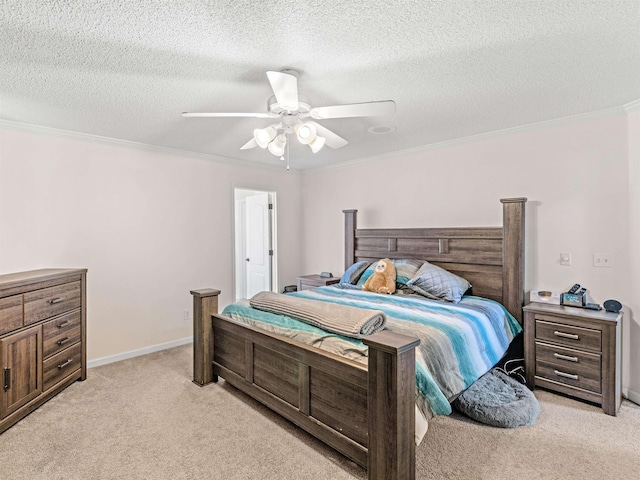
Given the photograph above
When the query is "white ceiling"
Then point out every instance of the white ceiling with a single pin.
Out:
(126, 69)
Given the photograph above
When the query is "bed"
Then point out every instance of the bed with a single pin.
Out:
(365, 411)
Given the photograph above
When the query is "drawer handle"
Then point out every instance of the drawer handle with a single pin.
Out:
(62, 365)
(7, 379)
(566, 375)
(64, 324)
(56, 300)
(566, 335)
(559, 356)
(63, 341)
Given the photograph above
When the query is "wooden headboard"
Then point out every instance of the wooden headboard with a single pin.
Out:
(490, 258)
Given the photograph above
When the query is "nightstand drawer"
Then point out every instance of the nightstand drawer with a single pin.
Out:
(569, 360)
(567, 376)
(307, 282)
(568, 335)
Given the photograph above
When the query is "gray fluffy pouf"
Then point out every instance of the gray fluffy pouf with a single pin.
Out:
(499, 400)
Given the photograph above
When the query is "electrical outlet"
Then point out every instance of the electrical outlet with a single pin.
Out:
(602, 260)
(565, 259)
(187, 315)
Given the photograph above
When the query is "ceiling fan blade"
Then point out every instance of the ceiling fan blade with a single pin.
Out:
(250, 144)
(231, 114)
(367, 109)
(333, 140)
(285, 88)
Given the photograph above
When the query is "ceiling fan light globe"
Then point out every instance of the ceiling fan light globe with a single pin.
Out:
(317, 144)
(306, 133)
(263, 136)
(276, 147)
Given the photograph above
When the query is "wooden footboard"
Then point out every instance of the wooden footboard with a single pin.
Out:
(366, 413)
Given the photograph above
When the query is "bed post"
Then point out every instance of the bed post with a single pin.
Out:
(350, 225)
(205, 303)
(391, 406)
(513, 255)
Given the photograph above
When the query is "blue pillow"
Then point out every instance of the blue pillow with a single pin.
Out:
(353, 273)
(405, 270)
(437, 283)
(364, 276)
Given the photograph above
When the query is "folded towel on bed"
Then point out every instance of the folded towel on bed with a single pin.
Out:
(341, 319)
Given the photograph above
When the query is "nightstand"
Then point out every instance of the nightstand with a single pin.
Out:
(574, 351)
(307, 282)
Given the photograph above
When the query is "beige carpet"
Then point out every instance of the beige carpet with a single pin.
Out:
(144, 419)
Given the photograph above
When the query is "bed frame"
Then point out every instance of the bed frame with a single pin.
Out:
(365, 412)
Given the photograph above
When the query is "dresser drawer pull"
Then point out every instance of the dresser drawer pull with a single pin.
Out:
(62, 365)
(64, 324)
(566, 335)
(566, 375)
(559, 356)
(63, 341)
(56, 300)
(7, 379)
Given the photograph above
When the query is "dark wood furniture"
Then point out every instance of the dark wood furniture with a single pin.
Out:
(307, 282)
(42, 338)
(574, 351)
(366, 413)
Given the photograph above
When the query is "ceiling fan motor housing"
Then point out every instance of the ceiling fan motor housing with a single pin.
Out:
(304, 106)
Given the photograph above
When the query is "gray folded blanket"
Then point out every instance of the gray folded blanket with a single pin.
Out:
(341, 319)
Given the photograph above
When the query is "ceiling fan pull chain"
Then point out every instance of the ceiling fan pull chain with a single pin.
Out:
(288, 167)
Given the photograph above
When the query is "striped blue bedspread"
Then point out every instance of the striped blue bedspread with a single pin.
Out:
(458, 342)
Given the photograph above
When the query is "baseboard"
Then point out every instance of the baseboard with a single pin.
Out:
(136, 353)
(631, 395)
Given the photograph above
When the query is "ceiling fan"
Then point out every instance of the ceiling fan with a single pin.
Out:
(294, 115)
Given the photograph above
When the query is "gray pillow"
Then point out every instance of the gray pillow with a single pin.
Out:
(354, 272)
(438, 284)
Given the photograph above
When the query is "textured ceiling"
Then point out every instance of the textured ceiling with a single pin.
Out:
(126, 69)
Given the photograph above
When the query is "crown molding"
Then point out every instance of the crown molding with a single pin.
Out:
(632, 106)
(530, 127)
(89, 137)
(38, 129)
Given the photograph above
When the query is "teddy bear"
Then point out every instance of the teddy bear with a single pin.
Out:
(383, 279)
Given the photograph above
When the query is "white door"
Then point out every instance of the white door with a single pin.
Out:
(258, 260)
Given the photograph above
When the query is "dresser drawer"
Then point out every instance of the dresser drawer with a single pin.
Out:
(61, 365)
(10, 313)
(569, 335)
(60, 333)
(47, 302)
(61, 325)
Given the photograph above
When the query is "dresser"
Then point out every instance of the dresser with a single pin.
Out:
(574, 351)
(42, 338)
(307, 282)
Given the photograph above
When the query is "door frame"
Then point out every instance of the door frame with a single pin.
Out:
(239, 255)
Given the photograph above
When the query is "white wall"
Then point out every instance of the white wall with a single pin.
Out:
(573, 173)
(149, 227)
(633, 325)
